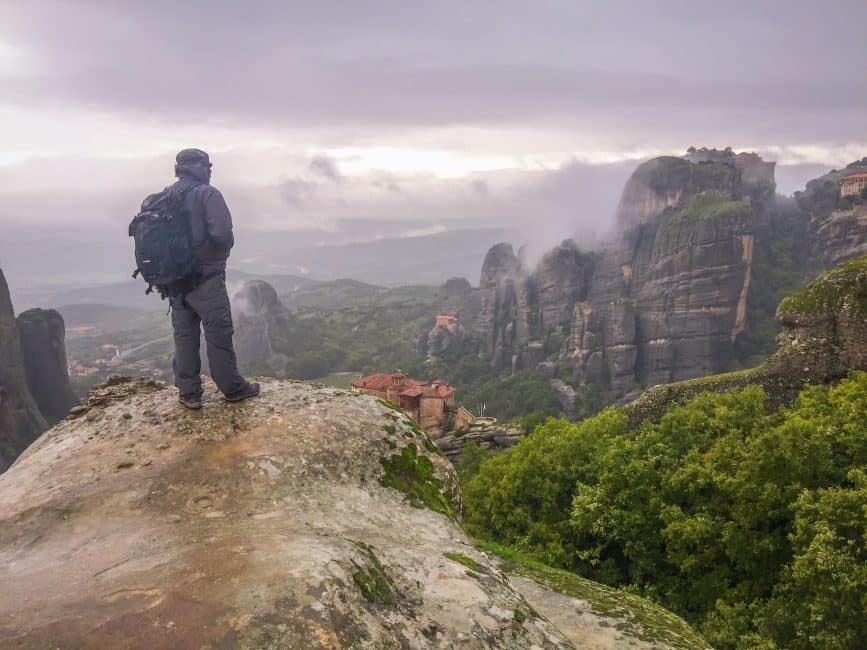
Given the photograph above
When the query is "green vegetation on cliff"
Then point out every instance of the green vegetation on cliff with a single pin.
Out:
(709, 206)
(414, 475)
(749, 524)
(642, 617)
(846, 283)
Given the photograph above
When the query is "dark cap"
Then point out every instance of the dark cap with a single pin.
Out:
(188, 156)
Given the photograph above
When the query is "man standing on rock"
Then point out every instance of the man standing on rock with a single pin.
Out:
(207, 304)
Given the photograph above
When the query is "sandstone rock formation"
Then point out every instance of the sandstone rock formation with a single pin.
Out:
(565, 397)
(824, 338)
(669, 295)
(20, 419)
(662, 301)
(454, 289)
(504, 321)
(487, 436)
(562, 278)
(262, 328)
(443, 336)
(309, 517)
(837, 225)
(43, 343)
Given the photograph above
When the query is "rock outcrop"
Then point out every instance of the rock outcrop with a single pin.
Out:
(824, 338)
(837, 225)
(43, 343)
(20, 419)
(669, 295)
(562, 278)
(309, 517)
(446, 333)
(454, 289)
(262, 328)
(504, 322)
(565, 397)
(664, 300)
(487, 436)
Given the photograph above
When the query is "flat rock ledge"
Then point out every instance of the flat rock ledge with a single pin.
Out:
(307, 518)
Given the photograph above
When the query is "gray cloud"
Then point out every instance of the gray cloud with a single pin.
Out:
(471, 79)
(297, 192)
(672, 71)
(325, 167)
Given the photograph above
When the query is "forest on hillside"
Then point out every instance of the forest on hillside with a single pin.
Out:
(748, 523)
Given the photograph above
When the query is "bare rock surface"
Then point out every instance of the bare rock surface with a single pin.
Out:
(273, 523)
(43, 343)
(494, 437)
(663, 300)
(504, 320)
(837, 225)
(576, 619)
(562, 278)
(824, 338)
(261, 320)
(20, 419)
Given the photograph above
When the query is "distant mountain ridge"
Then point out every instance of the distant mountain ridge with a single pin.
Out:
(51, 264)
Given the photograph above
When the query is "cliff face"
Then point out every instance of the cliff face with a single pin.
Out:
(562, 278)
(261, 321)
(837, 225)
(20, 419)
(825, 324)
(663, 300)
(309, 517)
(691, 299)
(670, 294)
(504, 321)
(43, 342)
(824, 338)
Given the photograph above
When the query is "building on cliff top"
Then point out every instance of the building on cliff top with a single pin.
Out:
(754, 170)
(447, 321)
(853, 184)
(432, 406)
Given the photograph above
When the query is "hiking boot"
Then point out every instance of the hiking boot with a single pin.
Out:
(191, 401)
(250, 389)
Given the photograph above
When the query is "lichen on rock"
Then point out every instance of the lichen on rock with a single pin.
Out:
(414, 475)
(842, 288)
(263, 524)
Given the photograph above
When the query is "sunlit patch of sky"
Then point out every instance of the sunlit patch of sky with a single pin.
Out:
(505, 112)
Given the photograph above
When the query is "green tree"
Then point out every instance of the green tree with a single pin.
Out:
(750, 524)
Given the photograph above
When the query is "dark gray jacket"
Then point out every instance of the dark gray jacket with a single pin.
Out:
(210, 222)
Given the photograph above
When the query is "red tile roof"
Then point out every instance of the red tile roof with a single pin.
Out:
(381, 381)
(410, 387)
(856, 176)
(443, 390)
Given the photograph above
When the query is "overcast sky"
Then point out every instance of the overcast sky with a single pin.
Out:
(438, 113)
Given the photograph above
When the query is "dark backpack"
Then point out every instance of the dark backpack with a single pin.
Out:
(164, 253)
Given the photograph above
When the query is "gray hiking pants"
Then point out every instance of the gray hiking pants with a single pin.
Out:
(208, 305)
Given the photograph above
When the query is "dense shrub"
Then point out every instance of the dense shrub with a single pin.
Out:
(751, 525)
